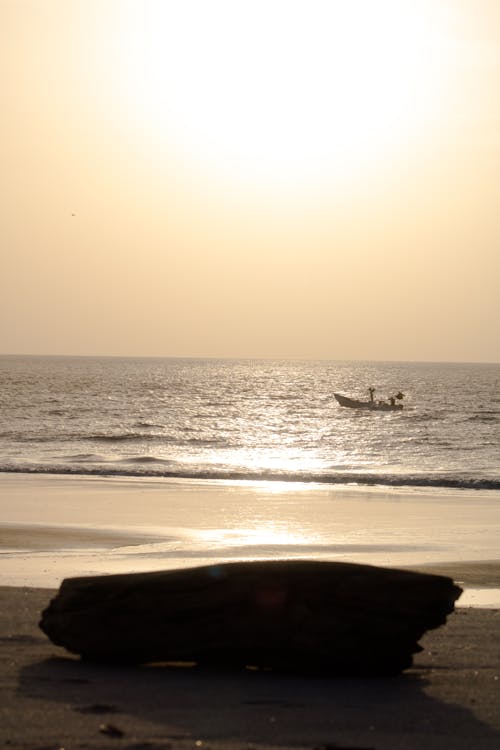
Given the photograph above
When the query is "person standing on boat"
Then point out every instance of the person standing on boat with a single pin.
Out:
(371, 392)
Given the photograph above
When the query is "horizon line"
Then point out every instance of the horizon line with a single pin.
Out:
(252, 358)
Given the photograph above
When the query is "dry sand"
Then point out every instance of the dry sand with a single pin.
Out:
(51, 700)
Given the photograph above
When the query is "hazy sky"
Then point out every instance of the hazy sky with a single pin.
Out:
(271, 178)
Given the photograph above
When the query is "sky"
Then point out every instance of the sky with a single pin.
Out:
(223, 178)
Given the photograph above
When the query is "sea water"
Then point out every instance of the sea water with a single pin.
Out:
(209, 419)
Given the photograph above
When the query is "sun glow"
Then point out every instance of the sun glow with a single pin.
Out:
(267, 534)
(278, 90)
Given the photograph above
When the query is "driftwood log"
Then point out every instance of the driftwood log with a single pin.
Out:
(293, 615)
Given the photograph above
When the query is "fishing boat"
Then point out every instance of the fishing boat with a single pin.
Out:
(371, 405)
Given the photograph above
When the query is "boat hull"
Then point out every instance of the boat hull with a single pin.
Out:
(352, 403)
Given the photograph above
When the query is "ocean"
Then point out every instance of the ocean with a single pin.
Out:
(212, 419)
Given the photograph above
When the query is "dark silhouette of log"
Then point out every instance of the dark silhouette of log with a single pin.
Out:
(298, 615)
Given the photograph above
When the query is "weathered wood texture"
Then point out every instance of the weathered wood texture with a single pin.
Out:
(298, 615)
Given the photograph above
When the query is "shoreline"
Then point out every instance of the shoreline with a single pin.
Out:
(357, 480)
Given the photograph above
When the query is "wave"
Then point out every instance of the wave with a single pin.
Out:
(87, 457)
(229, 474)
(485, 417)
(124, 436)
(69, 437)
(145, 460)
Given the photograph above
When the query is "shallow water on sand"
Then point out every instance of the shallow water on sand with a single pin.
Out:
(56, 527)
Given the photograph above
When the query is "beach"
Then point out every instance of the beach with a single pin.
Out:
(55, 527)
(50, 699)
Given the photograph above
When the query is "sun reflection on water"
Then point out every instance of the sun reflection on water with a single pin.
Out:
(285, 459)
(269, 534)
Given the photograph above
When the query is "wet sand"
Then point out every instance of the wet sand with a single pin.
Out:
(54, 527)
(56, 538)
